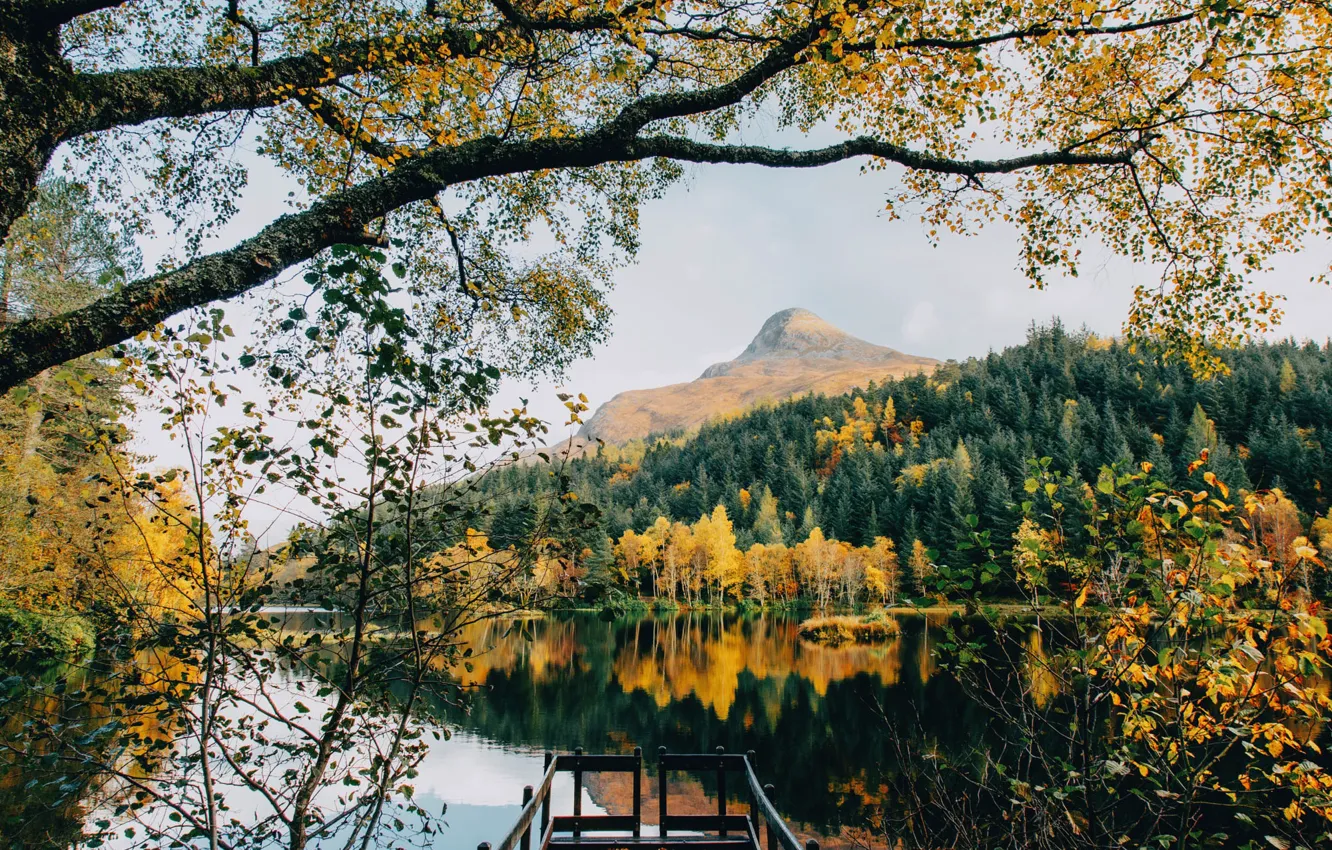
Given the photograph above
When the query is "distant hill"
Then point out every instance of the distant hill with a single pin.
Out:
(795, 352)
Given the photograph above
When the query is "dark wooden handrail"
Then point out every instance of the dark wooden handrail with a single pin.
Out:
(778, 831)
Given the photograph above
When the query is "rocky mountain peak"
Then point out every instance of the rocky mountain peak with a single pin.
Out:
(799, 333)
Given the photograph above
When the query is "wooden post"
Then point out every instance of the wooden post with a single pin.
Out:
(638, 792)
(526, 843)
(661, 791)
(721, 788)
(545, 800)
(578, 790)
(772, 831)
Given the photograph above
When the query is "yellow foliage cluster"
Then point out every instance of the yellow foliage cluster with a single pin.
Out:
(861, 427)
(692, 561)
(77, 539)
(1222, 649)
(466, 575)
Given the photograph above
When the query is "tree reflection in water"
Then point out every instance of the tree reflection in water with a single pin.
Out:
(813, 715)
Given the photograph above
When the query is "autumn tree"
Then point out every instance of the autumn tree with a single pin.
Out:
(1029, 555)
(635, 553)
(1193, 135)
(722, 565)
(816, 561)
(922, 568)
(882, 571)
(628, 559)
(771, 563)
(768, 525)
(757, 574)
(62, 432)
(1275, 532)
(851, 573)
(1289, 378)
(676, 549)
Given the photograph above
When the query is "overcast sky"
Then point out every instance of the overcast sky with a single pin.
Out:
(735, 244)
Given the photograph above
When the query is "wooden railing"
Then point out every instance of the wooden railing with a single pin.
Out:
(760, 804)
(730, 831)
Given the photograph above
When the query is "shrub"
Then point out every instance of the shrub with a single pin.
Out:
(41, 636)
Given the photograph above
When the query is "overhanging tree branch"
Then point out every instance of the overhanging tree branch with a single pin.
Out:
(1037, 31)
(674, 147)
(659, 107)
(50, 14)
(129, 97)
(126, 98)
(27, 348)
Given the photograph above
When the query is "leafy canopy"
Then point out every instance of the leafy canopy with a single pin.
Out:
(1192, 135)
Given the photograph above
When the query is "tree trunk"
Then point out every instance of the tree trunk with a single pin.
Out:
(35, 105)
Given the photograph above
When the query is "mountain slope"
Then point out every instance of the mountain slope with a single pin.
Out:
(794, 353)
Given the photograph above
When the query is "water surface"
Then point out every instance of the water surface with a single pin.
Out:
(826, 724)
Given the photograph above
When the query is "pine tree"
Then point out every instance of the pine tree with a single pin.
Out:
(994, 501)
(807, 524)
(1201, 437)
(1114, 447)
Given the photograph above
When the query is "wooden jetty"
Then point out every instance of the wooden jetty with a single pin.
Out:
(722, 831)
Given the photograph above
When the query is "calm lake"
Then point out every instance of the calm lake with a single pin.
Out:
(826, 724)
(823, 722)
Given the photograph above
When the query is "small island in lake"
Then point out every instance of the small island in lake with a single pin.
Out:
(837, 630)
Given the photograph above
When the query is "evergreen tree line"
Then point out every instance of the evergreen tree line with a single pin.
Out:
(936, 458)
